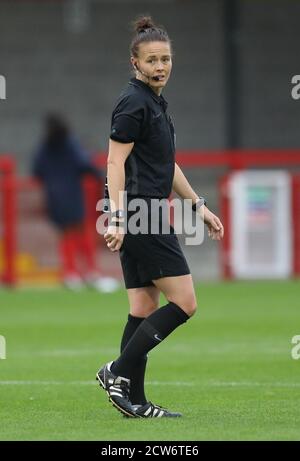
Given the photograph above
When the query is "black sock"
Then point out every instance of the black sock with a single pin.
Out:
(149, 334)
(137, 378)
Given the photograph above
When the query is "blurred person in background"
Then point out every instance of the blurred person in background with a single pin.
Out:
(60, 164)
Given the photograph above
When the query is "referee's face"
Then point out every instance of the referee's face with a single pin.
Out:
(154, 60)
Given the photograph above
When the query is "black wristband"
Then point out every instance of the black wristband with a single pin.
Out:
(199, 203)
(118, 214)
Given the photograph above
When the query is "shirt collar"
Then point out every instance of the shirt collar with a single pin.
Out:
(159, 99)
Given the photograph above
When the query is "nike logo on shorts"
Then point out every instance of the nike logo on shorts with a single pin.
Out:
(156, 337)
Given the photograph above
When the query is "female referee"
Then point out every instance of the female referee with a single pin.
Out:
(141, 161)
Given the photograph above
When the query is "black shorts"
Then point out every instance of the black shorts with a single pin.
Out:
(147, 257)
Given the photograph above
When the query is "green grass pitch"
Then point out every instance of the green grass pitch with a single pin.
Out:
(229, 369)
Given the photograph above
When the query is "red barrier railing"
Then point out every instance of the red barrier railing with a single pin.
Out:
(232, 159)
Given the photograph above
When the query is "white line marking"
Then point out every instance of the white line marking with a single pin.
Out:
(86, 383)
(114, 351)
(46, 383)
(66, 352)
(155, 383)
(253, 384)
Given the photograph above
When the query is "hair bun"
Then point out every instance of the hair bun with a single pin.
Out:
(143, 23)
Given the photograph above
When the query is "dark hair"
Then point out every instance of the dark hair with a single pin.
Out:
(56, 129)
(146, 31)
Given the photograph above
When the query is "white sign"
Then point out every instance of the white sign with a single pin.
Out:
(261, 224)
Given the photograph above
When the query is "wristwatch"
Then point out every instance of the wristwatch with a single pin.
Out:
(199, 203)
(118, 214)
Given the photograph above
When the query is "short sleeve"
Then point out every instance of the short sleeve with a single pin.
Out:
(127, 119)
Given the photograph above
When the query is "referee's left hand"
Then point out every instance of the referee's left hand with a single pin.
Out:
(214, 225)
(114, 237)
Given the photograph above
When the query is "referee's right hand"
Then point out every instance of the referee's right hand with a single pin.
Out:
(114, 236)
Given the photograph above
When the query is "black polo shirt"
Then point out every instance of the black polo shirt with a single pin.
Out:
(140, 116)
